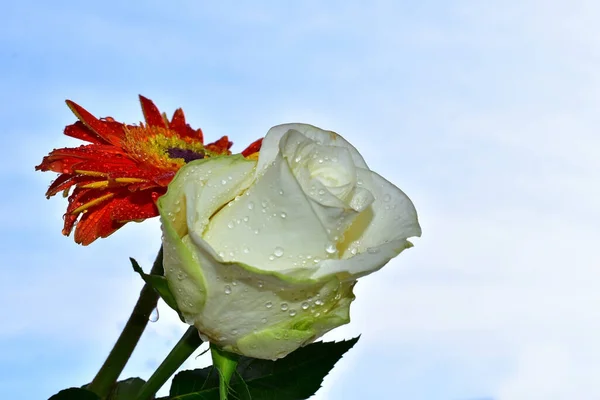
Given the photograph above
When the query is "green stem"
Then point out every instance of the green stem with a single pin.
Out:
(188, 343)
(120, 353)
(226, 364)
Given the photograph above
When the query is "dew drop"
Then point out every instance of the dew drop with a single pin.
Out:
(153, 315)
(246, 250)
(223, 182)
(321, 192)
(318, 302)
(261, 284)
(231, 224)
(250, 205)
(284, 306)
(227, 289)
(221, 254)
(292, 313)
(278, 252)
(264, 204)
(268, 304)
(305, 305)
(281, 192)
(271, 257)
(330, 248)
(263, 320)
(246, 218)
(283, 215)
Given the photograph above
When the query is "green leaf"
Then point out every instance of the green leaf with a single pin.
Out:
(160, 284)
(295, 377)
(75, 394)
(127, 389)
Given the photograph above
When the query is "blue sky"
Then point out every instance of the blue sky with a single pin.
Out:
(484, 113)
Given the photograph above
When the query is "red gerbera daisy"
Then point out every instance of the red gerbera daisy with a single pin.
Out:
(125, 169)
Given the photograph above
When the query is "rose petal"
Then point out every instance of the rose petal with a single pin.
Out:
(270, 144)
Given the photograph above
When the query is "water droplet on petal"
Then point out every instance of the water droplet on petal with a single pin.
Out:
(268, 304)
(263, 320)
(278, 252)
(223, 182)
(246, 218)
(250, 205)
(284, 306)
(283, 215)
(246, 250)
(330, 248)
(305, 305)
(281, 192)
(271, 257)
(227, 289)
(318, 302)
(292, 313)
(231, 224)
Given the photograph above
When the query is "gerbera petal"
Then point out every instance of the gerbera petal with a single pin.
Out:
(94, 225)
(79, 131)
(104, 129)
(220, 146)
(152, 116)
(253, 148)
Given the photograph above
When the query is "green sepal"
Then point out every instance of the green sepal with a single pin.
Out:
(160, 285)
(225, 363)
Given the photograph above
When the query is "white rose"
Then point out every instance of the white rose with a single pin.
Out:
(262, 255)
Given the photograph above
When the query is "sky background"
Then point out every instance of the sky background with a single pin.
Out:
(485, 113)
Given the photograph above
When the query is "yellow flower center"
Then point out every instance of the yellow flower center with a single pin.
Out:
(162, 148)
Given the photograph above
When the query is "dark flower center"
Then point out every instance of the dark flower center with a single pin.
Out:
(187, 154)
